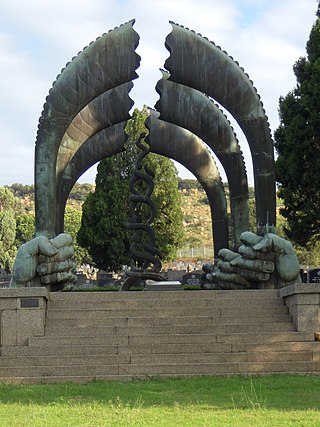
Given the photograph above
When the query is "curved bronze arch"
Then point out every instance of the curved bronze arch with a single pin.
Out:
(106, 110)
(200, 64)
(103, 144)
(111, 141)
(192, 110)
(106, 63)
(186, 148)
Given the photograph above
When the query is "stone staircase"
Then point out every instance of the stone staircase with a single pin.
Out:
(125, 335)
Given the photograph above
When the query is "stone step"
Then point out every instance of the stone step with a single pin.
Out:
(156, 359)
(55, 323)
(62, 370)
(125, 335)
(61, 379)
(252, 338)
(73, 297)
(200, 358)
(162, 348)
(77, 340)
(92, 331)
(160, 370)
(62, 360)
(276, 346)
(161, 303)
(65, 350)
(236, 368)
(252, 310)
(257, 338)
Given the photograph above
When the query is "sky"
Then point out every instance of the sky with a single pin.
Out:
(38, 37)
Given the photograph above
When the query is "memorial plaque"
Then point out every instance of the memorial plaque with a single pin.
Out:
(314, 275)
(29, 303)
(192, 278)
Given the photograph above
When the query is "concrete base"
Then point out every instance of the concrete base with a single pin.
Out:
(81, 336)
(303, 301)
(22, 314)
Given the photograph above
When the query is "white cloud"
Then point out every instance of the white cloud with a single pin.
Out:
(38, 37)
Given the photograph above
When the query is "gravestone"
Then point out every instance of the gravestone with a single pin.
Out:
(104, 278)
(193, 278)
(304, 275)
(4, 278)
(175, 274)
(314, 275)
(81, 279)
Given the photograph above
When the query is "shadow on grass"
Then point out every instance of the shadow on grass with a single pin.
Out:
(221, 393)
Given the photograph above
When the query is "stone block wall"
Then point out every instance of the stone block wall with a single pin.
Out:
(22, 314)
(303, 301)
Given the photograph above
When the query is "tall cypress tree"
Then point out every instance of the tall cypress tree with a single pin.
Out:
(9, 206)
(297, 142)
(105, 212)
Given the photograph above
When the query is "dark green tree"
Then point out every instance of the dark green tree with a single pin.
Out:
(9, 206)
(297, 142)
(168, 224)
(25, 228)
(105, 212)
(72, 224)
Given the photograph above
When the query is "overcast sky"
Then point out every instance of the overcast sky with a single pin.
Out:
(38, 37)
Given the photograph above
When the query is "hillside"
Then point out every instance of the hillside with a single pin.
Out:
(195, 207)
(197, 218)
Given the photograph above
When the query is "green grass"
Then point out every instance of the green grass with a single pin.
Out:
(205, 401)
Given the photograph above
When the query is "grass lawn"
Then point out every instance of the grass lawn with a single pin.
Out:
(204, 401)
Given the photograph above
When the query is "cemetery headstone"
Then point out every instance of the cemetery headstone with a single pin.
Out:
(193, 278)
(314, 275)
(304, 275)
(175, 274)
(104, 278)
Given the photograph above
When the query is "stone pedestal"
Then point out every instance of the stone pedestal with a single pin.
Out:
(22, 314)
(303, 301)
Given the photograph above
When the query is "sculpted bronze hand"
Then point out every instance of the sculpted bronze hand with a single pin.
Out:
(44, 262)
(266, 260)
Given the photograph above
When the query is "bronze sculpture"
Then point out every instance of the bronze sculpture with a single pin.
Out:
(83, 121)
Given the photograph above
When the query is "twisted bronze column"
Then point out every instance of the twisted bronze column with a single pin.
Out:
(146, 256)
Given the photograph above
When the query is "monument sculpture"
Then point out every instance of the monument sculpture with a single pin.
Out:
(200, 64)
(45, 262)
(190, 151)
(146, 257)
(82, 87)
(83, 121)
(262, 262)
(192, 110)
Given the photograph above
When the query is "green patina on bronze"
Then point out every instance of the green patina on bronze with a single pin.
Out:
(192, 110)
(198, 63)
(105, 64)
(186, 148)
(86, 111)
